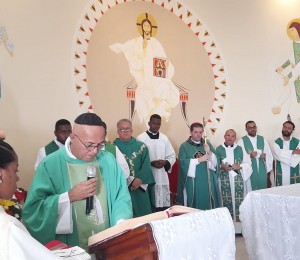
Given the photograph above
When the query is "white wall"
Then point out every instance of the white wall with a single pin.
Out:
(37, 81)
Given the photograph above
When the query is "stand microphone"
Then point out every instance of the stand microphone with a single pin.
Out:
(90, 173)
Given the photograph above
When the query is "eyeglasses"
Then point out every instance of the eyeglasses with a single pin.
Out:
(125, 130)
(91, 147)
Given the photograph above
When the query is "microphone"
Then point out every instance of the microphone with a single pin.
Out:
(90, 173)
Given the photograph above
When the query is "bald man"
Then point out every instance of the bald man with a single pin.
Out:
(234, 169)
(55, 207)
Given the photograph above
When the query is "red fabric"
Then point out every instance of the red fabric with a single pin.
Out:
(173, 177)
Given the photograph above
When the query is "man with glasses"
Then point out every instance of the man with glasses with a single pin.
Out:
(140, 181)
(62, 131)
(55, 207)
(257, 148)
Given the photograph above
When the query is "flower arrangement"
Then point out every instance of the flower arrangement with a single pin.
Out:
(14, 206)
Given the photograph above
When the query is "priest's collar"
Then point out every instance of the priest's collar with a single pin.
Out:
(153, 135)
(228, 145)
(68, 148)
(195, 143)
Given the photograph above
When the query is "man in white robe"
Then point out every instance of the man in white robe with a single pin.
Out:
(258, 149)
(162, 157)
(287, 154)
(234, 172)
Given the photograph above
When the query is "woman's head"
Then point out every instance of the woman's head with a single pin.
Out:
(8, 171)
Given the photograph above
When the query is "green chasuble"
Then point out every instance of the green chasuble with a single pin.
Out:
(197, 188)
(227, 196)
(51, 148)
(137, 156)
(294, 172)
(259, 170)
(52, 179)
(110, 148)
(93, 221)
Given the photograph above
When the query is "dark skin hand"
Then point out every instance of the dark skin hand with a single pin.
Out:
(158, 164)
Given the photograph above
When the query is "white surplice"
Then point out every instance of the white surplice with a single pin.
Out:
(160, 149)
(246, 172)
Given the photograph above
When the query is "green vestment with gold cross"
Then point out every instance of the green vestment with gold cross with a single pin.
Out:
(228, 198)
(137, 156)
(202, 191)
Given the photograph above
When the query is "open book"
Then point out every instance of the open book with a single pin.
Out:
(135, 222)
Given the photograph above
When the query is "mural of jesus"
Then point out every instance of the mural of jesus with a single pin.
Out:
(155, 92)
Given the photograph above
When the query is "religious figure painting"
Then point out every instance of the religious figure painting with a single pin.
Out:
(289, 71)
(155, 93)
(137, 58)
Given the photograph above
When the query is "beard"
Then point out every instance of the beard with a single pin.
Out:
(253, 134)
(286, 133)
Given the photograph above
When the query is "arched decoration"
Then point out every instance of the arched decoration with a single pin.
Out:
(97, 8)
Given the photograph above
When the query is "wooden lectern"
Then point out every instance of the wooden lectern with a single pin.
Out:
(135, 244)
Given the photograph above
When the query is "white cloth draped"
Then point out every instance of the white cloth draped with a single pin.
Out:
(270, 220)
(200, 235)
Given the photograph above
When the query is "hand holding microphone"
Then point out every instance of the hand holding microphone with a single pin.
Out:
(83, 189)
(90, 174)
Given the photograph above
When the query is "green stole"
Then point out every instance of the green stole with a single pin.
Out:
(110, 148)
(294, 172)
(77, 174)
(259, 174)
(51, 148)
(225, 183)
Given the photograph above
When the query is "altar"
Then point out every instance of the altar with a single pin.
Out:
(270, 223)
(199, 235)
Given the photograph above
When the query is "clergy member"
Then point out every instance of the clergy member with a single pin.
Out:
(62, 131)
(287, 155)
(258, 149)
(197, 179)
(141, 180)
(55, 207)
(162, 157)
(234, 169)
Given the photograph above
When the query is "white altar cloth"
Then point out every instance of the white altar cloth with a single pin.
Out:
(270, 223)
(201, 235)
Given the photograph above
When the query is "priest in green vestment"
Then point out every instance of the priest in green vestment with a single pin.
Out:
(234, 170)
(258, 149)
(55, 208)
(287, 155)
(141, 180)
(197, 179)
